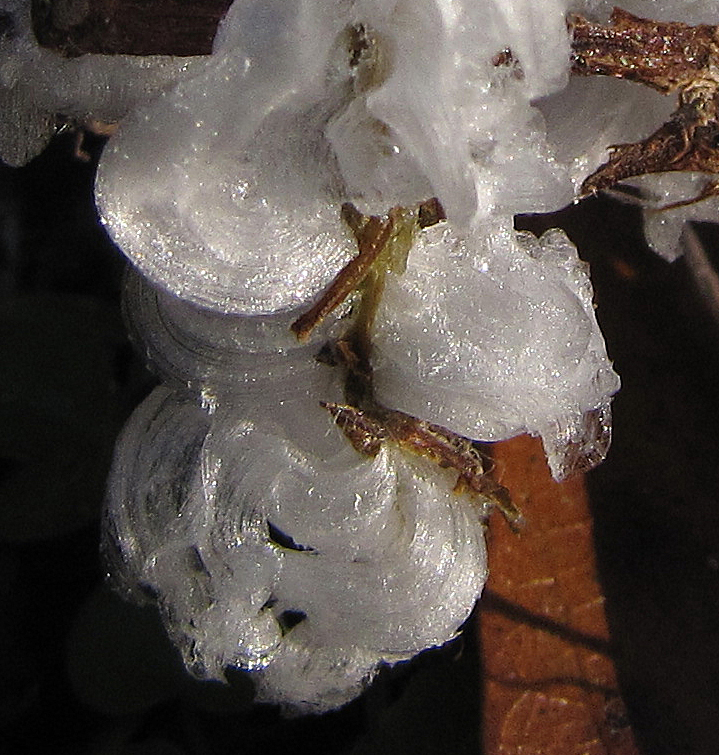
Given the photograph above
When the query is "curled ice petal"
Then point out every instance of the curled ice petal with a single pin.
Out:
(455, 111)
(492, 336)
(218, 353)
(284, 554)
(238, 227)
(232, 201)
(429, 565)
(157, 464)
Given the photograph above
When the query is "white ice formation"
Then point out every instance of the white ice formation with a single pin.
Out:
(37, 84)
(268, 542)
(271, 545)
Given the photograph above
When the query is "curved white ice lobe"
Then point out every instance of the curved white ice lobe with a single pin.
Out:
(457, 113)
(156, 463)
(225, 191)
(493, 336)
(272, 522)
(162, 538)
(219, 354)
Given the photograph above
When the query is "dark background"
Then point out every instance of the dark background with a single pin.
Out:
(85, 673)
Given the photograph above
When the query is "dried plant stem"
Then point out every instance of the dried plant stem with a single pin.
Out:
(127, 27)
(372, 236)
(367, 429)
(390, 236)
(669, 57)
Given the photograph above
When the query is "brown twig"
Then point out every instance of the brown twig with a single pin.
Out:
(391, 236)
(669, 57)
(372, 236)
(128, 27)
(368, 429)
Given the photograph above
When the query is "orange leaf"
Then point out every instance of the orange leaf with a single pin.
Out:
(550, 685)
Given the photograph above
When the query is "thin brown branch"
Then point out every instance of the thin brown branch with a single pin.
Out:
(669, 57)
(369, 425)
(127, 27)
(390, 236)
(666, 56)
(686, 142)
(367, 430)
(372, 235)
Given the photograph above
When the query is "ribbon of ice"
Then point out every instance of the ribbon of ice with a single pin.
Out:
(268, 542)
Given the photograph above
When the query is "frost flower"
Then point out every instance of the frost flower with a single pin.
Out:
(235, 502)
